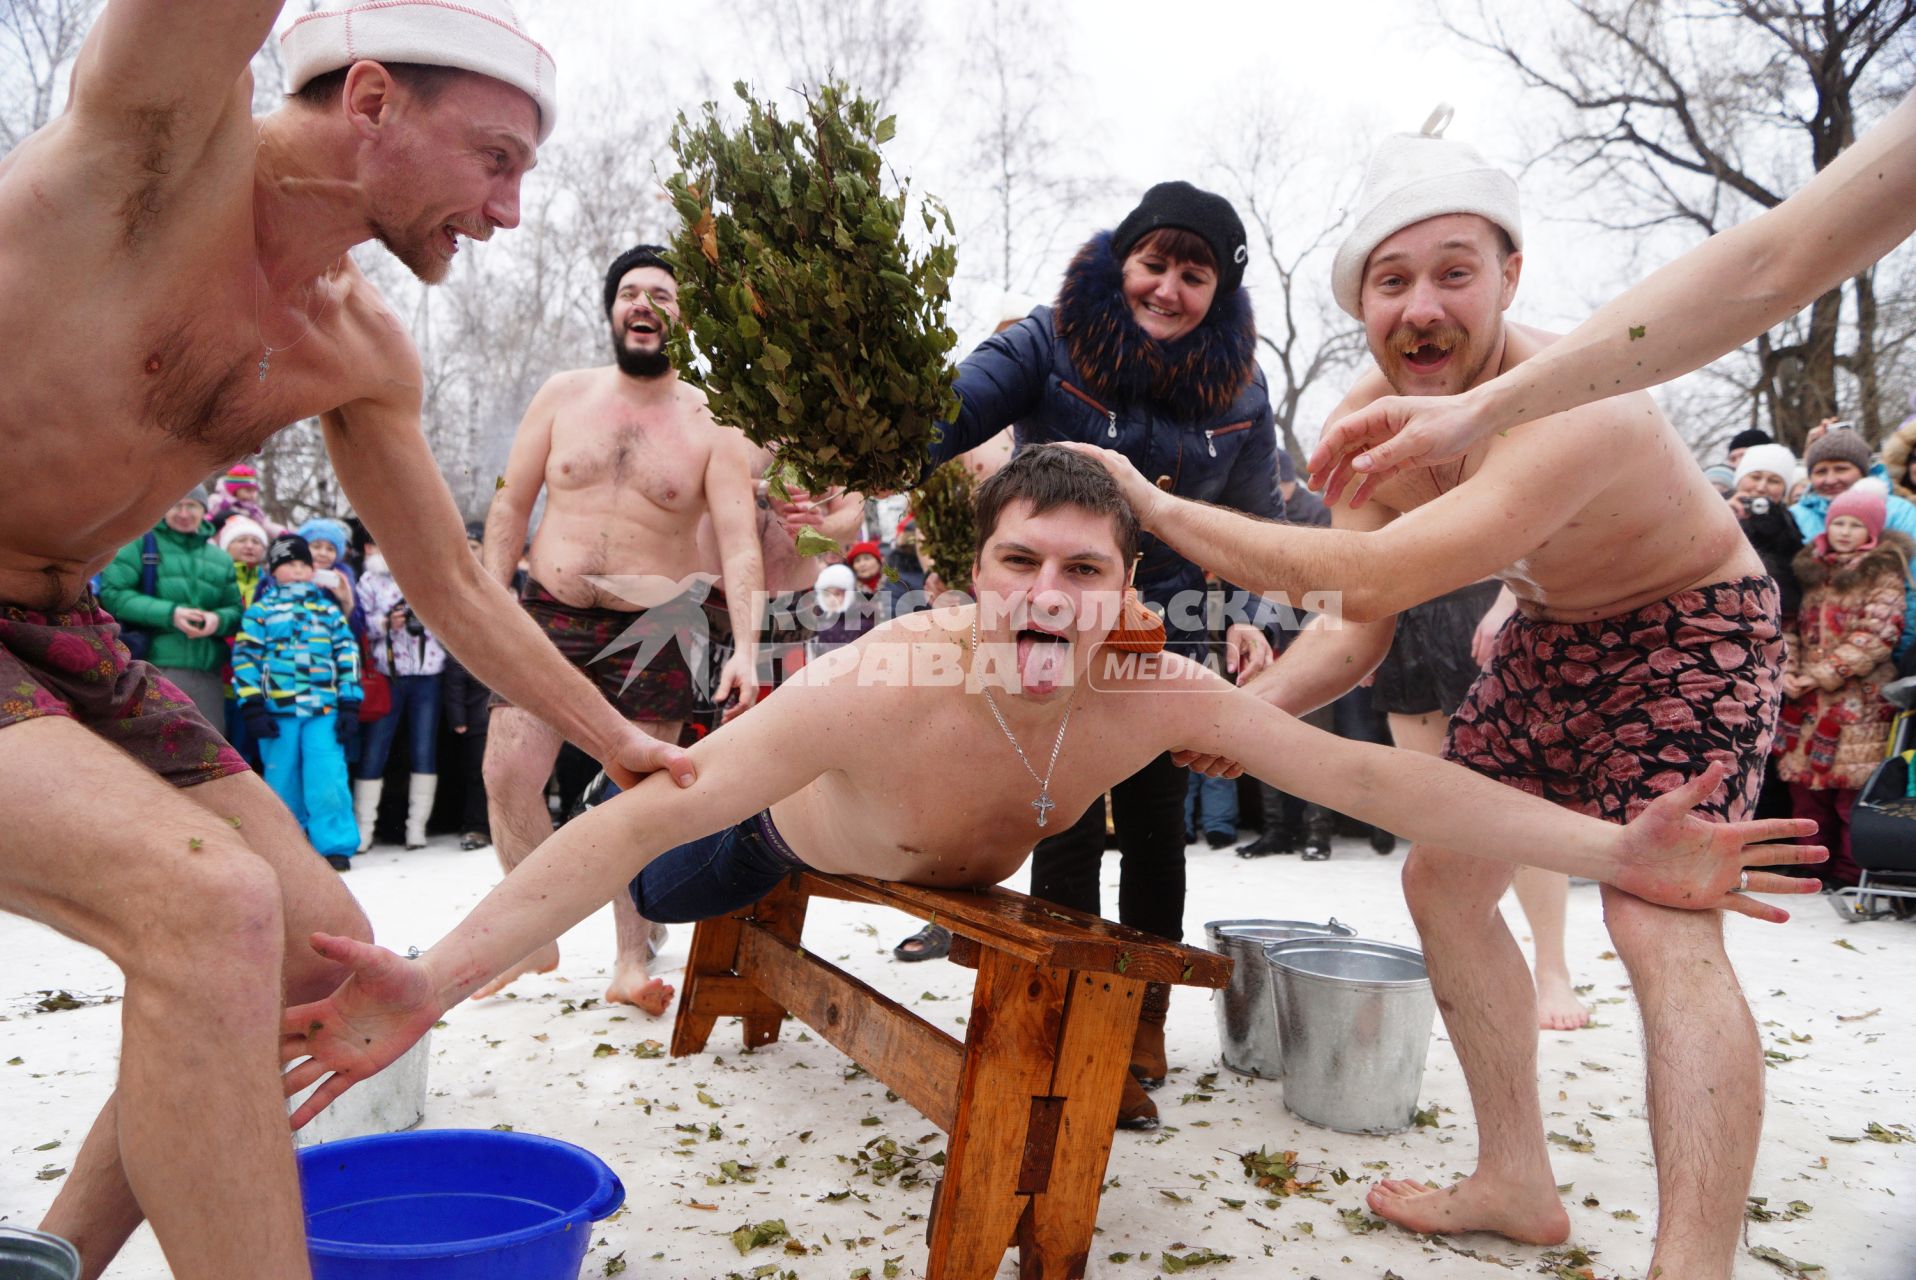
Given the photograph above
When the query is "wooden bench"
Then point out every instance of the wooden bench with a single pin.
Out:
(1028, 1100)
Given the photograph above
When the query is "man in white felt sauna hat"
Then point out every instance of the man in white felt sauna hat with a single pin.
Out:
(175, 287)
(1645, 648)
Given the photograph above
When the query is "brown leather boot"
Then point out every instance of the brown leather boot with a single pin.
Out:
(1135, 1109)
(1147, 1048)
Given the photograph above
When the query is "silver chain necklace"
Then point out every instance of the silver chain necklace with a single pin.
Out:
(1044, 804)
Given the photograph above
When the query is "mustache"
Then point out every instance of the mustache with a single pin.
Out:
(1406, 338)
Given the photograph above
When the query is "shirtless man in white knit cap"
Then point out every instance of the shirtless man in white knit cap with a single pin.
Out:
(175, 287)
(1646, 645)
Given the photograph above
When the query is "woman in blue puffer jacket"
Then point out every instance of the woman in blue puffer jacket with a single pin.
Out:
(1150, 350)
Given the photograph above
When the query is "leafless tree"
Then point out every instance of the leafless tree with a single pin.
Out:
(1020, 85)
(1695, 114)
(869, 44)
(38, 42)
(1284, 169)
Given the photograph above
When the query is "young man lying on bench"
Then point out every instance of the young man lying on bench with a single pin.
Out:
(1030, 695)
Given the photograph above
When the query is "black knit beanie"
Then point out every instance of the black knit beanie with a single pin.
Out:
(1179, 204)
(286, 549)
(1749, 438)
(639, 255)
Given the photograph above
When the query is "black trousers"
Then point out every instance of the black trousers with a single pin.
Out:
(1147, 811)
(472, 780)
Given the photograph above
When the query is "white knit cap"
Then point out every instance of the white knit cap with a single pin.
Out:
(237, 527)
(1773, 458)
(474, 35)
(1415, 176)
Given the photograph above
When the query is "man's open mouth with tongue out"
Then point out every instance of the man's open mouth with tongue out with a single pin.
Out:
(1044, 659)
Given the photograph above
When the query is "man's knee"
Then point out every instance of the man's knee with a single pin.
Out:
(1646, 934)
(1441, 885)
(513, 767)
(220, 900)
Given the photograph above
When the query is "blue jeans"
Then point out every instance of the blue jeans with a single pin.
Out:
(714, 875)
(416, 709)
(1210, 805)
(306, 768)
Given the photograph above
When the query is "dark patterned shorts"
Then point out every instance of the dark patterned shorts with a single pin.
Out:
(652, 664)
(72, 664)
(1603, 717)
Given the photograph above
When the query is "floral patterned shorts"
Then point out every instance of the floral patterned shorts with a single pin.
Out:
(72, 664)
(1603, 717)
(652, 664)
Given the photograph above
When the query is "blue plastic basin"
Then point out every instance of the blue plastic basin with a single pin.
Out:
(435, 1204)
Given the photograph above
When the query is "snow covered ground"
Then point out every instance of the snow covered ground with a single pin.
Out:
(796, 1118)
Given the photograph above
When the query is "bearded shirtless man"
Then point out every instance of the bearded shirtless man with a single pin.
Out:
(803, 780)
(632, 464)
(219, 243)
(1647, 645)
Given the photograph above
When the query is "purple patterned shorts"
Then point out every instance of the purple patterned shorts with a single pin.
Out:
(72, 664)
(1603, 717)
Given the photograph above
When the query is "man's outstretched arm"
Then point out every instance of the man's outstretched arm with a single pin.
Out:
(1728, 290)
(1667, 855)
(389, 1002)
(1527, 489)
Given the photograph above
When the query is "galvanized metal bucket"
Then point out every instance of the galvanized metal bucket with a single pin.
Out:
(35, 1255)
(390, 1102)
(1355, 1019)
(1246, 1017)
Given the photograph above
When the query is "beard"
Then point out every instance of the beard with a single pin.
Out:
(417, 251)
(641, 364)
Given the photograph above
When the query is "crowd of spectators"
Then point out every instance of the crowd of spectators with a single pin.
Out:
(298, 643)
(1835, 530)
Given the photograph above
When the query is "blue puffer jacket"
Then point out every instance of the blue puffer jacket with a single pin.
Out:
(1195, 410)
(1812, 514)
(295, 654)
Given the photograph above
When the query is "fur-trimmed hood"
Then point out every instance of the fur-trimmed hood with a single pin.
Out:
(1193, 378)
(1890, 556)
(1897, 446)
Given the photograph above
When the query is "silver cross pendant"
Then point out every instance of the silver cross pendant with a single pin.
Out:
(1044, 804)
(265, 362)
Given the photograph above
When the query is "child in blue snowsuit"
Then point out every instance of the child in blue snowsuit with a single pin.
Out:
(296, 676)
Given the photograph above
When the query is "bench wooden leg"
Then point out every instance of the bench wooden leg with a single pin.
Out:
(780, 913)
(1012, 1037)
(712, 987)
(1094, 1055)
